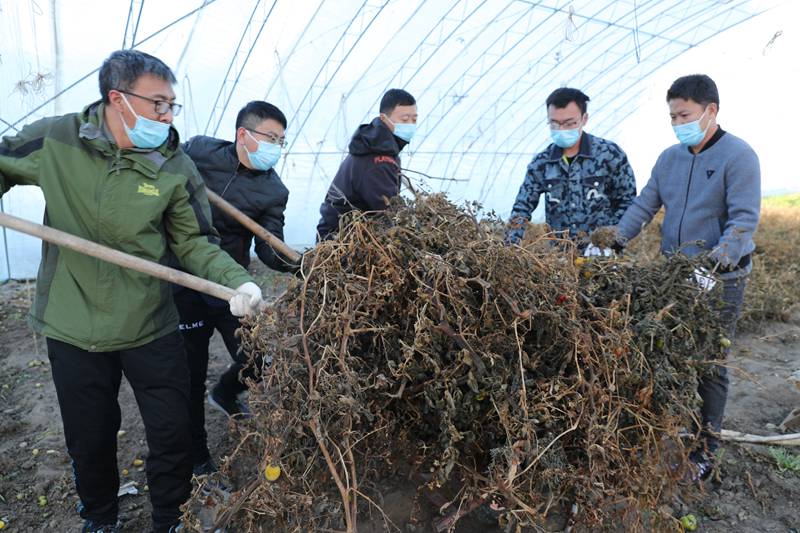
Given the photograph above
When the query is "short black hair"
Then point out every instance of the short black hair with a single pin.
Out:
(257, 111)
(697, 87)
(561, 97)
(394, 98)
(122, 68)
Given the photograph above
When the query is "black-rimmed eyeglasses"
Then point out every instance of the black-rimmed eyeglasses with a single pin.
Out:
(161, 107)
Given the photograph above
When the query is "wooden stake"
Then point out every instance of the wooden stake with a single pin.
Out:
(791, 439)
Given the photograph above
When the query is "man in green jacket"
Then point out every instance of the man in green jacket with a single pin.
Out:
(115, 174)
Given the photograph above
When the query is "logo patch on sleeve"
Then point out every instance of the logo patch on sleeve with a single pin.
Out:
(384, 159)
(147, 189)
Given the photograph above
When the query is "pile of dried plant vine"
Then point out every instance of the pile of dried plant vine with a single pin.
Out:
(419, 343)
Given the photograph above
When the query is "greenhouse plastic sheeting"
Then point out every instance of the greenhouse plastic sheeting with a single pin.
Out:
(480, 70)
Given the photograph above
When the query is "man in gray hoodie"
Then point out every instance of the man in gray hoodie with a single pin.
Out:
(710, 187)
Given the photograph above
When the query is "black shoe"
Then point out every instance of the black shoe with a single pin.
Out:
(94, 527)
(490, 512)
(206, 467)
(177, 528)
(703, 464)
(230, 405)
(211, 482)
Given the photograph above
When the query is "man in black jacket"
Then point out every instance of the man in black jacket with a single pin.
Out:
(370, 174)
(240, 172)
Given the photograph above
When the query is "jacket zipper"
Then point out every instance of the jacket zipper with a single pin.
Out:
(222, 195)
(230, 181)
(686, 199)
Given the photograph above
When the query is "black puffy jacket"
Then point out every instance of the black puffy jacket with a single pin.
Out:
(261, 195)
(368, 176)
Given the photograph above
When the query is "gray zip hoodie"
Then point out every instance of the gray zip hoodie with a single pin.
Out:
(711, 201)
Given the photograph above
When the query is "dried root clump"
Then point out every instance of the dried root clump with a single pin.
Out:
(418, 342)
(605, 237)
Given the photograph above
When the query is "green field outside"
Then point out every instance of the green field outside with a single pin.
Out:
(785, 200)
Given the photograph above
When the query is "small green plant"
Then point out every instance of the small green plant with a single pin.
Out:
(787, 462)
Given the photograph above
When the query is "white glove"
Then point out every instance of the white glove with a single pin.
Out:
(594, 251)
(246, 301)
(704, 279)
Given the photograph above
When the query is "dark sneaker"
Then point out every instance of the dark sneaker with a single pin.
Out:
(177, 528)
(230, 405)
(211, 483)
(205, 468)
(95, 527)
(490, 512)
(703, 464)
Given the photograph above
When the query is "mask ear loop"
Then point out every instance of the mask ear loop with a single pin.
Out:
(135, 116)
(385, 118)
(248, 152)
(258, 143)
(705, 131)
(127, 103)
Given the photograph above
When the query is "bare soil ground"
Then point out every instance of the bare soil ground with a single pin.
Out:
(749, 494)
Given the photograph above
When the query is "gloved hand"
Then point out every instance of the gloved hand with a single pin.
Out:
(246, 301)
(704, 279)
(594, 251)
(608, 237)
(295, 267)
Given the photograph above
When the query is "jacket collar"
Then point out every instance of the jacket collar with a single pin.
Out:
(711, 142)
(555, 152)
(94, 131)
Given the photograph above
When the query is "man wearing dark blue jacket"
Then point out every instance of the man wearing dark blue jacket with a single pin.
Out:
(710, 187)
(242, 173)
(370, 174)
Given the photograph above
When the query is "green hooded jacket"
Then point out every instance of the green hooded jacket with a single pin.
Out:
(147, 203)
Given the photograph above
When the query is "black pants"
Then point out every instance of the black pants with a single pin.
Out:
(200, 315)
(713, 388)
(87, 385)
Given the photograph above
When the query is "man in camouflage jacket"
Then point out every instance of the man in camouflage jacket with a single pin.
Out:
(587, 181)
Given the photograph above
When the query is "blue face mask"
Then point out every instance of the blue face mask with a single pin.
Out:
(565, 138)
(690, 134)
(146, 133)
(266, 155)
(405, 131)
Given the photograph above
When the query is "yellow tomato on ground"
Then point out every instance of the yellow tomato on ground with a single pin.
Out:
(272, 472)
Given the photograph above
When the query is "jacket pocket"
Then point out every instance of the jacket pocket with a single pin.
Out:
(712, 232)
(554, 191)
(594, 189)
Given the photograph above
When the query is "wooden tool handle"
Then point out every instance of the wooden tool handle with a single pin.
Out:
(252, 225)
(116, 257)
(791, 439)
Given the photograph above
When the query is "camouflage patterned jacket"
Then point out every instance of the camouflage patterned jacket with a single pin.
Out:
(593, 190)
